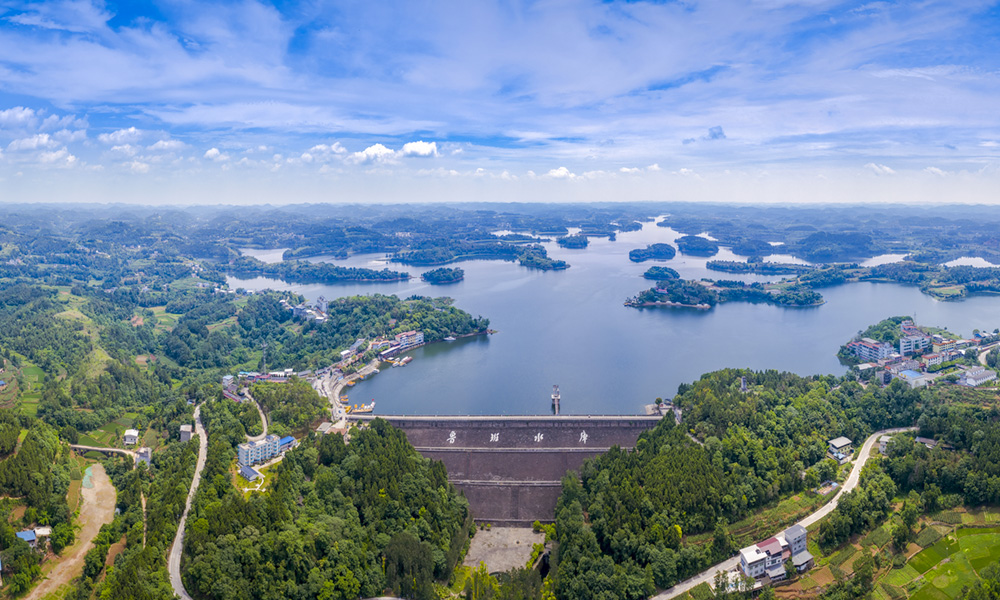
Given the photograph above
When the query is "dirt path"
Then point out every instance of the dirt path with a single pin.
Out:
(98, 508)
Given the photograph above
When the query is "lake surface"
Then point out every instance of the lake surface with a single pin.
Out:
(570, 328)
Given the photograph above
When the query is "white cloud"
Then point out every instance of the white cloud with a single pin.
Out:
(122, 136)
(376, 153)
(935, 171)
(18, 117)
(216, 155)
(420, 148)
(653, 167)
(35, 142)
(138, 167)
(989, 144)
(126, 149)
(334, 148)
(561, 173)
(68, 136)
(167, 146)
(59, 156)
(630, 170)
(880, 169)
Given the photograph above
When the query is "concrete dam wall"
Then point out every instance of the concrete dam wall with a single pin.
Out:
(510, 467)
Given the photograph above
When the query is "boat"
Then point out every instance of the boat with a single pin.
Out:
(360, 409)
(450, 338)
(406, 360)
(350, 383)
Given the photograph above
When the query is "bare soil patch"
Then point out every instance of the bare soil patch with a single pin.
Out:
(822, 577)
(137, 321)
(98, 508)
(502, 548)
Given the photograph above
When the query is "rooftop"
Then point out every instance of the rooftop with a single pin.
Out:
(752, 554)
(132, 432)
(840, 442)
(795, 531)
(28, 536)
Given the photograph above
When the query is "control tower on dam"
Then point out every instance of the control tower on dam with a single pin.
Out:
(510, 467)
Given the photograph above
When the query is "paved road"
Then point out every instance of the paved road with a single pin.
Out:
(174, 560)
(263, 420)
(985, 350)
(852, 481)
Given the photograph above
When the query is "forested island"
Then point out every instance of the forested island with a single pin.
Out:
(681, 293)
(652, 252)
(661, 273)
(757, 267)
(297, 271)
(578, 241)
(443, 276)
(694, 245)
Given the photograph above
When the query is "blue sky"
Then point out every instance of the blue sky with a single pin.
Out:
(767, 100)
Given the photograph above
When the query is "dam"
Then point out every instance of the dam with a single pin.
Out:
(510, 467)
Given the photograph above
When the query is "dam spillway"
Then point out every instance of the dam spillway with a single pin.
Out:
(510, 467)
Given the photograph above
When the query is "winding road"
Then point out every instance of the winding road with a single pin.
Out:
(263, 421)
(174, 559)
(852, 481)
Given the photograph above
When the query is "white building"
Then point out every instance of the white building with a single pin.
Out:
(869, 350)
(410, 338)
(840, 449)
(131, 437)
(753, 562)
(976, 376)
(883, 444)
(251, 453)
(912, 344)
(185, 433)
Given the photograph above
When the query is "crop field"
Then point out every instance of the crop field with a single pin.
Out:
(108, 434)
(942, 570)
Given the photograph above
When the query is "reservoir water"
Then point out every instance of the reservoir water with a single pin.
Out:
(570, 328)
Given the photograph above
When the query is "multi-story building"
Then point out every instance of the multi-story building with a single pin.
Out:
(840, 449)
(409, 338)
(933, 359)
(753, 562)
(252, 453)
(913, 344)
(769, 557)
(869, 350)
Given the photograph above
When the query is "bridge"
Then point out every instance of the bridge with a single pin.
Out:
(510, 467)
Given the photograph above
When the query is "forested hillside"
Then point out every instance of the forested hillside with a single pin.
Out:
(735, 453)
(338, 521)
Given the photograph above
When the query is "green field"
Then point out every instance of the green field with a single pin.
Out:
(105, 436)
(941, 571)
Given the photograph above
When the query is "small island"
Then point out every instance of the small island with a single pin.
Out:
(705, 294)
(747, 247)
(693, 245)
(576, 242)
(652, 252)
(758, 267)
(443, 275)
(661, 273)
(537, 258)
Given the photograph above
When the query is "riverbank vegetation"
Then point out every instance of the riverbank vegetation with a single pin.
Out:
(706, 294)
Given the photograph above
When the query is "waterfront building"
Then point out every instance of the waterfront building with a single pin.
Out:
(131, 437)
(869, 350)
(409, 338)
(251, 453)
(186, 431)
